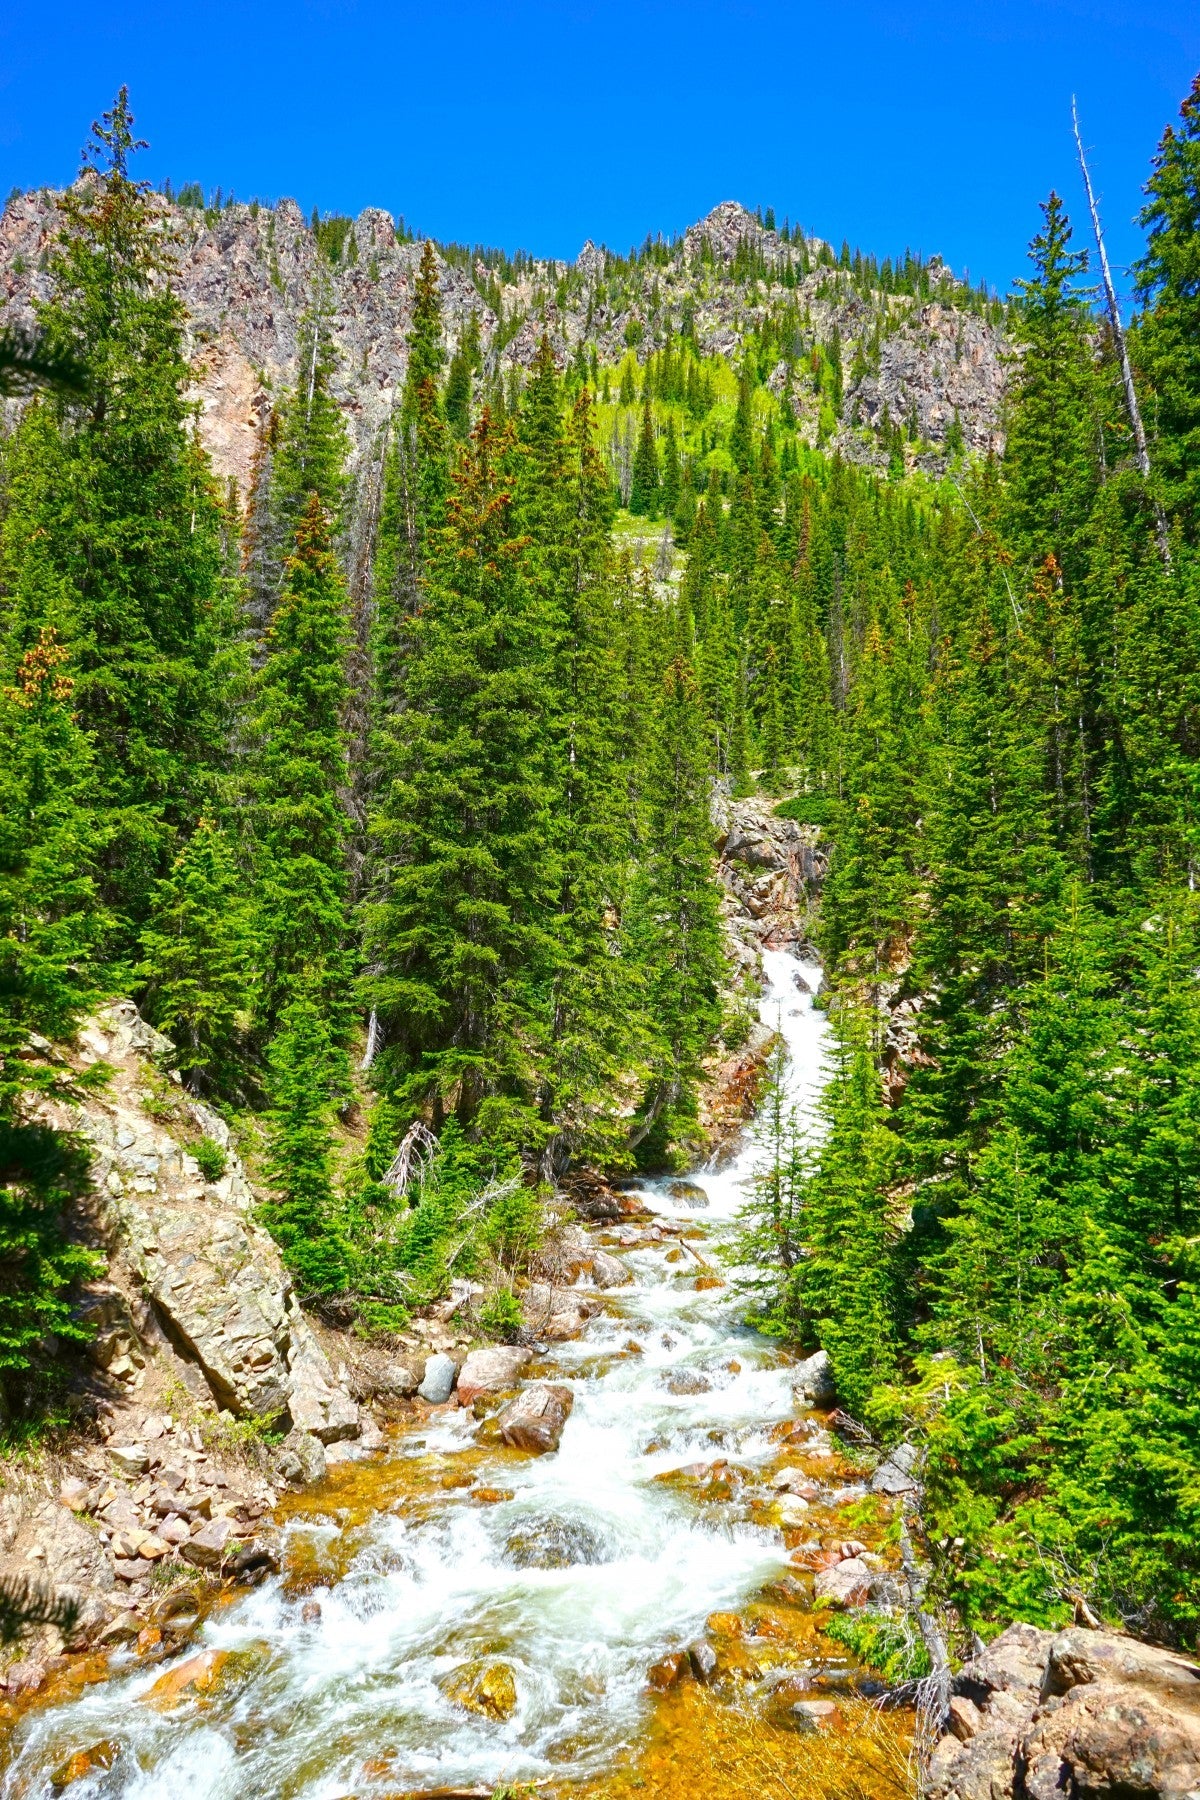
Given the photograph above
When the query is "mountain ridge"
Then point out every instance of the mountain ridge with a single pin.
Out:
(248, 275)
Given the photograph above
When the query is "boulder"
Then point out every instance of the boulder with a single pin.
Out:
(131, 1459)
(207, 1548)
(686, 1381)
(1039, 1714)
(491, 1371)
(609, 1271)
(847, 1583)
(300, 1459)
(812, 1381)
(556, 1314)
(485, 1688)
(400, 1378)
(896, 1474)
(555, 1542)
(535, 1419)
(688, 1193)
(791, 1509)
(437, 1384)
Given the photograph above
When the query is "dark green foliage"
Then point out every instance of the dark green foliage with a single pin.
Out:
(297, 779)
(198, 952)
(111, 534)
(301, 1215)
(646, 493)
(1168, 333)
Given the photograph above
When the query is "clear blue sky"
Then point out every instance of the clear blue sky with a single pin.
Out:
(933, 123)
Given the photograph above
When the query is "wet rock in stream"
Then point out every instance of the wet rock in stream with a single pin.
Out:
(487, 1689)
(535, 1419)
(554, 1542)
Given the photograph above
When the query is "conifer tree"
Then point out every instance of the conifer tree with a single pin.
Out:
(197, 950)
(847, 1281)
(54, 931)
(1050, 448)
(1168, 333)
(425, 351)
(111, 535)
(455, 926)
(684, 953)
(305, 1073)
(644, 497)
(297, 780)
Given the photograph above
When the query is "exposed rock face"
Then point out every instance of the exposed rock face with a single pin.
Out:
(1041, 1714)
(213, 1276)
(771, 870)
(249, 275)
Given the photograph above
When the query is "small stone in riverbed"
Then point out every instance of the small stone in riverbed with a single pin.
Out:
(848, 1583)
(664, 1674)
(83, 1762)
(791, 1509)
(703, 1659)
(310, 1612)
(438, 1384)
(686, 1381)
(811, 1715)
(174, 1530)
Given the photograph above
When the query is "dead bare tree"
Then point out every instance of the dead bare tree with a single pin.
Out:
(1141, 448)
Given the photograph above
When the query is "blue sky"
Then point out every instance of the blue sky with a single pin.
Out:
(923, 122)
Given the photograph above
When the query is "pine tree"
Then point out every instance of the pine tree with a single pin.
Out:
(305, 1073)
(1168, 333)
(1050, 448)
(112, 530)
(684, 955)
(297, 779)
(458, 395)
(455, 927)
(53, 934)
(846, 1283)
(425, 352)
(197, 949)
(645, 493)
(671, 478)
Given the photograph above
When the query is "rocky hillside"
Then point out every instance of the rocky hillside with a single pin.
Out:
(915, 346)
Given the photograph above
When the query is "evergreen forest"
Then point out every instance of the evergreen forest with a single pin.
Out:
(402, 832)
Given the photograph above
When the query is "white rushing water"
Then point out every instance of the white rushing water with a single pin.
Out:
(635, 1565)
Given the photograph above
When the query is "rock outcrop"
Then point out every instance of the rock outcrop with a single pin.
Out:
(1041, 1714)
(185, 1251)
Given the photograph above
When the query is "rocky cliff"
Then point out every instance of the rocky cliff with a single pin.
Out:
(1041, 1714)
(248, 275)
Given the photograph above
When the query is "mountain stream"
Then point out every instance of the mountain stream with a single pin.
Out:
(567, 1576)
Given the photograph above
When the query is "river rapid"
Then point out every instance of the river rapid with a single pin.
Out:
(576, 1570)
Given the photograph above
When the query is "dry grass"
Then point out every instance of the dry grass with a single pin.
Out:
(700, 1745)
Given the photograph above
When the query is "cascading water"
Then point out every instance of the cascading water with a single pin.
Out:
(577, 1574)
